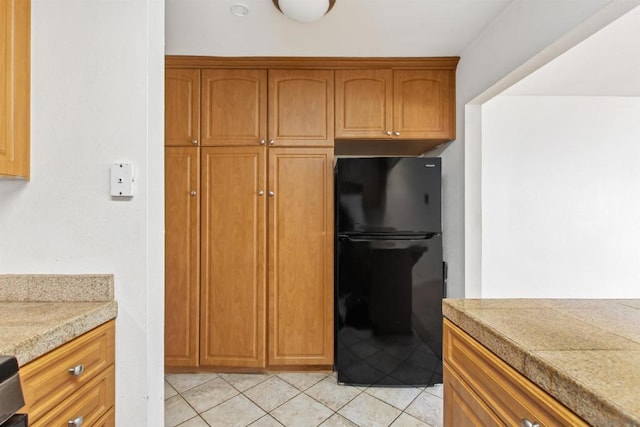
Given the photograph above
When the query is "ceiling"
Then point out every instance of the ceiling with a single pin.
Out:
(351, 28)
(605, 64)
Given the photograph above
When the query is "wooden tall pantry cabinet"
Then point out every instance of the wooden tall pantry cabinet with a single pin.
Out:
(249, 217)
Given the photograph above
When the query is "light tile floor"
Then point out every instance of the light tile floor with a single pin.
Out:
(294, 400)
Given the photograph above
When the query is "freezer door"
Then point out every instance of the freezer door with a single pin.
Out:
(388, 311)
(388, 195)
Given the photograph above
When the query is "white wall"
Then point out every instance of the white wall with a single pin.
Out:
(560, 203)
(526, 36)
(97, 97)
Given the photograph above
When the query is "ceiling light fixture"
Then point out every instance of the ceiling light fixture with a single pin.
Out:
(304, 10)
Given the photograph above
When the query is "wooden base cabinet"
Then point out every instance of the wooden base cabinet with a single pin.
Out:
(55, 397)
(482, 390)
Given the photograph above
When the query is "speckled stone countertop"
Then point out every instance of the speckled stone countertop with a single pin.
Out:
(41, 312)
(585, 353)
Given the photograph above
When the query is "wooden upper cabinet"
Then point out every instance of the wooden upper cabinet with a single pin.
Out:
(233, 255)
(234, 107)
(424, 104)
(15, 81)
(364, 103)
(301, 107)
(182, 256)
(182, 107)
(398, 104)
(300, 256)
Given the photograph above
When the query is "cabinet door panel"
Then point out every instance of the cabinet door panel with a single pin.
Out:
(462, 406)
(301, 257)
(234, 107)
(301, 107)
(233, 257)
(364, 103)
(182, 233)
(15, 72)
(182, 107)
(424, 104)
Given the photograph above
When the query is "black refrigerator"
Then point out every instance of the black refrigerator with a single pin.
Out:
(389, 271)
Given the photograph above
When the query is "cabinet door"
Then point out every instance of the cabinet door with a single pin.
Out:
(364, 103)
(182, 107)
(424, 104)
(462, 407)
(233, 257)
(15, 57)
(300, 256)
(182, 218)
(301, 107)
(234, 107)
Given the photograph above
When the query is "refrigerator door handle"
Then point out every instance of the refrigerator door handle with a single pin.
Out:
(370, 237)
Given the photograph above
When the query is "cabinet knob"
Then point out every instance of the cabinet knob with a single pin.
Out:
(194, 141)
(262, 141)
(193, 193)
(260, 193)
(396, 133)
(271, 142)
(526, 423)
(388, 132)
(271, 194)
(77, 422)
(77, 370)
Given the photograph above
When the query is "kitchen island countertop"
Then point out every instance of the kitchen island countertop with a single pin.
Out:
(584, 353)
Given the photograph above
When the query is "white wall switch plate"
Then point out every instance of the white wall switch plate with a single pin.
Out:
(122, 180)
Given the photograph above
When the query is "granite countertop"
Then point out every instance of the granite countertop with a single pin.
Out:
(41, 312)
(585, 353)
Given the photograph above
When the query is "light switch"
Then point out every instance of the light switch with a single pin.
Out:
(122, 179)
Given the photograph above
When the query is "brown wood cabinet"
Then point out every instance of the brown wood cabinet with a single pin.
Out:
(182, 107)
(246, 270)
(182, 255)
(234, 107)
(301, 107)
(481, 389)
(15, 81)
(54, 396)
(233, 257)
(300, 256)
(402, 105)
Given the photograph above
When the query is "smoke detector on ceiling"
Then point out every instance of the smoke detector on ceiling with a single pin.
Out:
(239, 9)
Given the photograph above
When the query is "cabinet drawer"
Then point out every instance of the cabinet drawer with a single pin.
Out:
(507, 392)
(46, 381)
(463, 406)
(107, 420)
(90, 403)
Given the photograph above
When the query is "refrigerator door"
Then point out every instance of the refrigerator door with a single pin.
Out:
(388, 195)
(388, 311)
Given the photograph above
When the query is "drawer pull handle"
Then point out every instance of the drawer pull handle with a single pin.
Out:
(526, 423)
(76, 372)
(75, 423)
